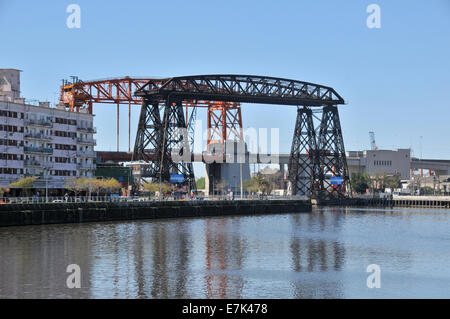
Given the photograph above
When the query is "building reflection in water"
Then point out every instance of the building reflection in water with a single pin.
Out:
(159, 259)
(148, 261)
(33, 266)
(290, 256)
(224, 253)
(312, 253)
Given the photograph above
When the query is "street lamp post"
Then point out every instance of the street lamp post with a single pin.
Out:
(242, 186)
(46, 185)
(234, 186)
(212, 176)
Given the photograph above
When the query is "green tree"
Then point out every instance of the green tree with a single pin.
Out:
(360, 182)
(219, 187)
(154, 187)
(151, 188)
(258, 183)
(3, 190)
(273, 181)
(25, 184)
(111, 185)
(250, 186)
(262, 183)
(73, 184)
(201, 183)
(99, 185)
(427, 190)
(392, 181)
(89, 185)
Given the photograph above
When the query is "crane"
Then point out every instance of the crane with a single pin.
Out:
(373, 145)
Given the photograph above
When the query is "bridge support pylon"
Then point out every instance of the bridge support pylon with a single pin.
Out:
(303, 171)
(331, 156)
(162, 141)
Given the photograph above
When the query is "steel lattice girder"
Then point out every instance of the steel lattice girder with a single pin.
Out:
(224, 123)
(242, 88)
(331, 155)
(157, 138)
(149, 138)
(323, 155)
(82, 94)
(173, 141)
(116, 91)
(303, 163)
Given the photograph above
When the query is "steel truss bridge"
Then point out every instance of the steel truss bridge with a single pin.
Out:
(170, 104)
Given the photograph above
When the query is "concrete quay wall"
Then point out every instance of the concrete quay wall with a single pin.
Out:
(64, 213)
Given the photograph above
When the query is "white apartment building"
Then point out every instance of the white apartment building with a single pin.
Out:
(37, 140)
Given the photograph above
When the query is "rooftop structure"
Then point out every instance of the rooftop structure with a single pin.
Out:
(9, 84)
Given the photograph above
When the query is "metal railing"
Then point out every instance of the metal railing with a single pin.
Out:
(38, 137)
(87, 129)
(86, 153)
(46, 123)
(85, 166)
(32, 163)
(86, 141)
(117, 199)
(38, 150)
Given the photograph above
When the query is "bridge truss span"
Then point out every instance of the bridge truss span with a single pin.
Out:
(244, 89)
(316, 157)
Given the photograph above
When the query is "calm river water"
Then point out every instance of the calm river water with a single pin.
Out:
(324, 254)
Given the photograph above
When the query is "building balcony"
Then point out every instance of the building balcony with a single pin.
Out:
(86, 141)
(32, 163)
(92, 130)
(39, 137)
(90, 154)
(89, 167)
(39, 123)
(38, 150)
(33, 175)
(36, 164)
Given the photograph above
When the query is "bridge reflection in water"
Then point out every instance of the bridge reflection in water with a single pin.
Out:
(319, 255)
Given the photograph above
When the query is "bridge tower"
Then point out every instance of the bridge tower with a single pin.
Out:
(162, 141)
(224, 122)
(331, 156)
(318, 165)
(226, 145)
(303, 172)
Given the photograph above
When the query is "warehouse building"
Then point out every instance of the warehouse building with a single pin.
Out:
(379, 162)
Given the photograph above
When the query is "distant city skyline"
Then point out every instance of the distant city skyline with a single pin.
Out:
(394, 79)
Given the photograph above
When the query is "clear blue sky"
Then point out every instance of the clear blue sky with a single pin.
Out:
(396, 79)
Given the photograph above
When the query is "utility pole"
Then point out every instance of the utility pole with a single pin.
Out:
(118, 131)
(242, 187)
(421, 147)
(46, 185)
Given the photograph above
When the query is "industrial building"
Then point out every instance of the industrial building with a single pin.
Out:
(395, 162)
(378, 162)
(230, 174)
(38, 140)
(112, 165)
